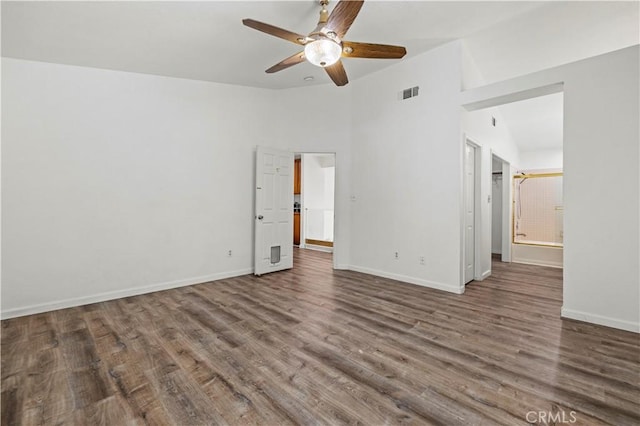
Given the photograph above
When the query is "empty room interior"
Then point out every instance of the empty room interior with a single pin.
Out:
(320, 212)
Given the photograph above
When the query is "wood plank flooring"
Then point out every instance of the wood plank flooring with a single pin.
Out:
(316, 346)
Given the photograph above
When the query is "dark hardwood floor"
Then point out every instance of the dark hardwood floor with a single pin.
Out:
(316, 346)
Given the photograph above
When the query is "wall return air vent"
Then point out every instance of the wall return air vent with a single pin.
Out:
(411, 92)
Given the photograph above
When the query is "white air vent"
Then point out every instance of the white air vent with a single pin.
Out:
(409, 93)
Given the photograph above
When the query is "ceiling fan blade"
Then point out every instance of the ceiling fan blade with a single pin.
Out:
(289, 62)
(343, 16)
(275, 31)
(337, 73)
(352, 49)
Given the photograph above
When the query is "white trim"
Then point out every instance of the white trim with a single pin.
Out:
(118, 294)
(505, 244)
(477, 207)
(538, 262)
(486, 274)
(461, 165)
(507, 211)
(483, 101)
(409, 280)
(318, 248)
(478, 203)
(600, 320)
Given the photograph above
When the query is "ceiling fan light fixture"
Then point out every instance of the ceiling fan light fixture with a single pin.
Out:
(323, 52)
(324, 46)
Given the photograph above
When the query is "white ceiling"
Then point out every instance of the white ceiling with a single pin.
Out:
(557, 33)
(207, 41)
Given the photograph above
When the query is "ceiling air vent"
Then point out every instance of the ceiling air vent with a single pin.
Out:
(410, 93)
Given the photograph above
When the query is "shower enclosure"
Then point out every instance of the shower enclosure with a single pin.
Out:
(538, 210)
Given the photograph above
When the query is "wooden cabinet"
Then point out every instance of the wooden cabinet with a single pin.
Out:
(296, 228)
(297, 169)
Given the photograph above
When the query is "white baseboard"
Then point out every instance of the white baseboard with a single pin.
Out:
(484, 276)
(407, 279)
(118, 294)
(318, 248)
(538, 262)
(600, 320)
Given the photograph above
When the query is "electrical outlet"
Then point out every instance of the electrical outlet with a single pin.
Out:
(422, 261)
(395, 255)
(229, 253)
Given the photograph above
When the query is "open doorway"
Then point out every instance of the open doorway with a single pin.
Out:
(314, 201)
(536, 125)
(497, 183)
(527, 147)
(500, 209)
(472, 188)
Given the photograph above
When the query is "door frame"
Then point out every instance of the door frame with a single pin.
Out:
(507, 205)
(335, 201)
(477, 217)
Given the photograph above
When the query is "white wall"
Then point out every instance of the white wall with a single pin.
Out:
(601, 163)
(99, 166)
(602, 277)
(554, 34)
(471, 75)
(303, 127)
(116, 181)
(477, 126)
(407, 170)
(492, 140)
(119, 183)
(407, 178)
(541, 160)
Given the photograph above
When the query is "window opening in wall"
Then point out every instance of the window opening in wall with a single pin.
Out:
(538, 210)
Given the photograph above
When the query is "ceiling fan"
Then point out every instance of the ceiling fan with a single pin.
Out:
(324, 45)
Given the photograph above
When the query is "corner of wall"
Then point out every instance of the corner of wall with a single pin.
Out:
(471, 75)
(408, 279)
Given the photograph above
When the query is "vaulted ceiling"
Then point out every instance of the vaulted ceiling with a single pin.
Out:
(207, 41)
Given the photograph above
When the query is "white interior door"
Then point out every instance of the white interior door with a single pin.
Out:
(469, 212)
(274, 211)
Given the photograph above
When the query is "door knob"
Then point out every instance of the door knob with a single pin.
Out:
(260, 217)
